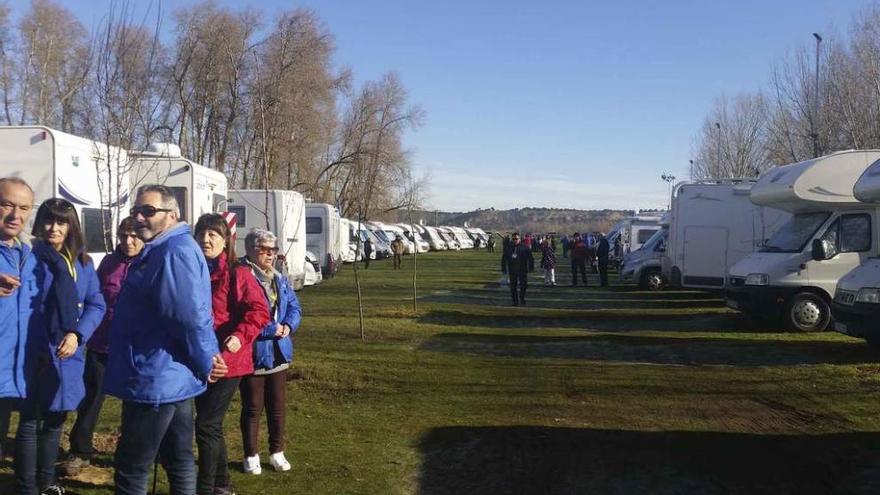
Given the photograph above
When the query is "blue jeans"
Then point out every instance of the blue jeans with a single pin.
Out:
(36, 448)
(147, 431)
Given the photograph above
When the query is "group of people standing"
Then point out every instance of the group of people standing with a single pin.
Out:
(517, 260)
(171, 323)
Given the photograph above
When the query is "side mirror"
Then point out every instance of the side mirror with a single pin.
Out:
(822, 250)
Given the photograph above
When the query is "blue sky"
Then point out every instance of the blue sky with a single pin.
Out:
(560, 103)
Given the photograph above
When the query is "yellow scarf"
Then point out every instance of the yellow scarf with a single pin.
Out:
(69, 260)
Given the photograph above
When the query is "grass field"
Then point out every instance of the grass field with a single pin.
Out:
(586, 390)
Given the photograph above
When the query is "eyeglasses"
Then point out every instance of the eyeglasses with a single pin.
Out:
(146, 210)
(266, 250)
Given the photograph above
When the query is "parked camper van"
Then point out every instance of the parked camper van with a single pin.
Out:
(642, 266)
(713, 224)
(281, 212)
(449, 237)
(381, 247)
(347, 246)
(636, 230)
(785, 277)
(464, 240)
(856, 307)
(391, 232)
(198, 189)
(60, 165)
(322, 236)
(434, 239)
(412, 234)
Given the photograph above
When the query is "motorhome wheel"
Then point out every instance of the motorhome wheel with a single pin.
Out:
(652, 280)
(807, 312)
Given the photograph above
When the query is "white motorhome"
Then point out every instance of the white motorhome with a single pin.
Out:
(347, 244)
(281, 212)
(449, 237)
(713, 224)
(436, 242)
(411, 233)
(391, 232)
(636, 230)
(322, 236)
(89, 174)
(198, 189)
(786, 277)
(642, 266)
(381, 247)
(464, 240)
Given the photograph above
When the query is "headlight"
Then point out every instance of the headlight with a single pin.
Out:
(868, 295)
(757, 279)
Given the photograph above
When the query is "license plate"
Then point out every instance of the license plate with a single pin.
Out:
(732, 304)
(840, 327)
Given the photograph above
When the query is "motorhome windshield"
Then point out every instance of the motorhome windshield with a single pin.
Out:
(658, 238)
(794, 235)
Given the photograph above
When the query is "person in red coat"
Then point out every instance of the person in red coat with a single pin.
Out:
(240, 313)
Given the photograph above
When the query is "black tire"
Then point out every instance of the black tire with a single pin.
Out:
(807, 312)
(652, 280)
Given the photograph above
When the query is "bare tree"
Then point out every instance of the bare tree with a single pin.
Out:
(733, 139)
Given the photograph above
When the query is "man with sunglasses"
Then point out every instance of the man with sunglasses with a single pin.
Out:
(163, 349)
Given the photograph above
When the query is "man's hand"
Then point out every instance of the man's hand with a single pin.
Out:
(232, 344)
(282, 330)
(67, 346)
(218, 369)
(8, 284)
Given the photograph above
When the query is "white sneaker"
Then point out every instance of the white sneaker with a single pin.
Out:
(252, 465)
(278, 462)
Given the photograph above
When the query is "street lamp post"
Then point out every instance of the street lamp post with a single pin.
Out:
(668, 178)
(813, 133)
(718, 146)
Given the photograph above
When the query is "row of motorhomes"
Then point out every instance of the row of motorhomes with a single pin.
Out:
(313, 239)
(799, 245)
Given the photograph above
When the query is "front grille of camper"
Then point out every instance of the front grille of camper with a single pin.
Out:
(845, 297)
(737, 281)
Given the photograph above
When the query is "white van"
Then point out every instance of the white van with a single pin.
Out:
(411, 233)
(642, 266)
(89, 174)
(281, 212)
(785, 278)
(434, 240)
(449, 237)
(322, 236)
(198, 189)
(464, 240)
(713, 224)
(391, 232)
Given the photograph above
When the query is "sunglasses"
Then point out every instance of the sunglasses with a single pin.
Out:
(58, 204)
(146, 211)
(266, 250)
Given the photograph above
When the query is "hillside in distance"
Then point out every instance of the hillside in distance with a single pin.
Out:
(524, 219)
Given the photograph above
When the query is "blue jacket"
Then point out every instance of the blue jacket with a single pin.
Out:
(162, 334)
(287, 312)
(16, 311)
(57, 383)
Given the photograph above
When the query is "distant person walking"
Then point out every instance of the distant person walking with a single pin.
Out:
(602, 255)
(517, 262)
(490, 244)
(397, 249)
(565, 246)
(548, 262)
(368, 251)
(477, 242)
(579, 254)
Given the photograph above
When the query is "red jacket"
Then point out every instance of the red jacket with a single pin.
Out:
(580, 251)
(244, 316)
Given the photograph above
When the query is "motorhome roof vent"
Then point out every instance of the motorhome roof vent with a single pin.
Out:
(170, 150)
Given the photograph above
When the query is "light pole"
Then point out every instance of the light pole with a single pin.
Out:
(718, 146)
(668, 178)
(813, 133)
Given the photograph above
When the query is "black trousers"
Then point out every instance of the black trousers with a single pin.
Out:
(603, 272)
(90, 408)
(518, 284)
(578, 265)
(211, 408)
(366, 260)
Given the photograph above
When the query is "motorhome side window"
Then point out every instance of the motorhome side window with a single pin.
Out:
(98, 240)
(180, 196)
(314, 225)
(855, 233)
(644, 235)
(240, 215)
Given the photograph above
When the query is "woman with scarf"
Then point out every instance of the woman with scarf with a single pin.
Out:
(240, 313)
(273, 353)
(70, 312)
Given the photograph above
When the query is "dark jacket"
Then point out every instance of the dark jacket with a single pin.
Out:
(602, 251)
(517, 259)
(368, 248)
(548, 257)
(162, 338)
(111, 274)
(240, 310)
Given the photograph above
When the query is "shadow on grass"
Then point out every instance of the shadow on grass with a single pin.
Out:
(656, 349)
(568, 300)
(543, 460)
(719, 320)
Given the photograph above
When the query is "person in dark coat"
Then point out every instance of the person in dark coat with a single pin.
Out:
(565, 246)
(490, 244)
(111, 274)
(517, 262)
(602, 255)
(579, 254)
(368, 250)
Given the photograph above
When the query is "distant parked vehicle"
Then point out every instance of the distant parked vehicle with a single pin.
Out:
(322, 236)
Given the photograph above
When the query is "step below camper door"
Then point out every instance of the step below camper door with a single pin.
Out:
(705, 256)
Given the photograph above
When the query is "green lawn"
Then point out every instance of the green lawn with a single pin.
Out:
(586, 390)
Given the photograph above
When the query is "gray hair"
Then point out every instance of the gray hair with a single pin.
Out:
(16, 180)
(168, 199)
(256, 236)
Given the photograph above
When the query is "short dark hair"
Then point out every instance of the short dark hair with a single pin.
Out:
(62, 211)
(128, 224)
(216, 222)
